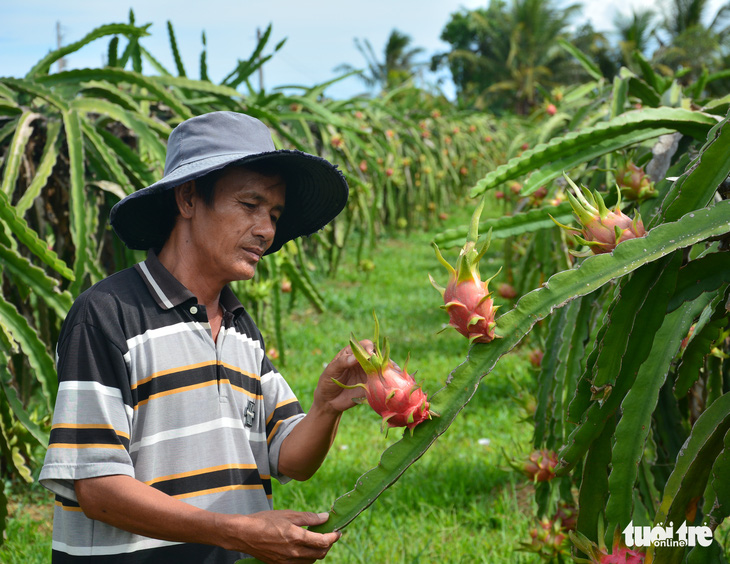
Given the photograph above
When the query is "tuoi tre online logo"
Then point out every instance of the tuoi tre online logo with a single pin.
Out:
(666, 536)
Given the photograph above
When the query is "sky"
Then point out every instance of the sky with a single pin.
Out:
(319, 33)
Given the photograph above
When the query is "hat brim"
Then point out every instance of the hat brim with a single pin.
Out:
(316, 192)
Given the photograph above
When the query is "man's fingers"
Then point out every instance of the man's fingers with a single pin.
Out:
(320, 541)
(308, 518)
(315, 540)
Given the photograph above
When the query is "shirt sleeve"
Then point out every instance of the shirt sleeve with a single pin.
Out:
(282, 410)
(92, 419)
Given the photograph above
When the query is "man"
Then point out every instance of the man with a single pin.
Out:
(170, 421)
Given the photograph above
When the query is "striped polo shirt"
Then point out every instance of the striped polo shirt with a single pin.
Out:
(144, 391)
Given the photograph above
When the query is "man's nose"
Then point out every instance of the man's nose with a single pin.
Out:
(265, 228)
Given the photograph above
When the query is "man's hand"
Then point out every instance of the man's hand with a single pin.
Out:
(345, 369)
(279, 536)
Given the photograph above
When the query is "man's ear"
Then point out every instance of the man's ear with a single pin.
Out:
(184, 198)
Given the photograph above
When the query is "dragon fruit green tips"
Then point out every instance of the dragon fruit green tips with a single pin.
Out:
(390, 390)
(602, 229)
(599, 554)
(467, 299)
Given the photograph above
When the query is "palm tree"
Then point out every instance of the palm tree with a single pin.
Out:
(535, 58)
(503, 54)
(399, 64)
(480, 46)
(684, 15)
(686, 44)
(634, 32)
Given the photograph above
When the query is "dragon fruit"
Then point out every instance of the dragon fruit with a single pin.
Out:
(602, 229)
(467, 299)
(539, 466)
(390, 390)
(548, 539)
(634, 183)
(598, 554)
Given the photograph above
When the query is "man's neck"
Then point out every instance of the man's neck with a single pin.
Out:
(184, 268)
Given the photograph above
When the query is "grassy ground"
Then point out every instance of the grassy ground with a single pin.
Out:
(29, 527)
(459, 502)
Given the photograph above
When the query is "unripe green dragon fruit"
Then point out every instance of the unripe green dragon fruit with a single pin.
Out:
(602, 229)
(634, 183)
(549, 540)
(390, 390)
(467, 299)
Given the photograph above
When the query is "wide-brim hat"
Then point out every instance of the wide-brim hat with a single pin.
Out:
(316, 191)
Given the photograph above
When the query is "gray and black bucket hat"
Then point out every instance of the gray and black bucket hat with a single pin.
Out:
(316, 191)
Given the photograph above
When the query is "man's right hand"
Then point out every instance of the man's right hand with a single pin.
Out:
(279, 536)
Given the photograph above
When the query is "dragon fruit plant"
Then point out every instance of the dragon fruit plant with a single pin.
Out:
(467, 299)
(390, 390)
(591, 434)
(602, 229)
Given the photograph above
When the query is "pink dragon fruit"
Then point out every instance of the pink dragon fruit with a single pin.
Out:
(467, 299)
(598, 554)
(539, 466)
(602, 229)
(390, 390)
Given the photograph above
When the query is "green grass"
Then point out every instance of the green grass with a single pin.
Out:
(459, 502)
(28, 532)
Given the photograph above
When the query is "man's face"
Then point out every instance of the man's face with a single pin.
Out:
(233, 233)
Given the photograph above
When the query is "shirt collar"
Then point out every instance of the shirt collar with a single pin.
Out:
(169, 292)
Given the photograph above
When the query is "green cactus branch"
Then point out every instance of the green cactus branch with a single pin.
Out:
(636, 298)
(605, 398)
(637, 408)
(698, 185)
(115, 76)
(26, 235)
(698, 276)
(706, 331)
(564, 153)
(691, 473)
(510, 225)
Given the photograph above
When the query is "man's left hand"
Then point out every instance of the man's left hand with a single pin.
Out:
(346, 370)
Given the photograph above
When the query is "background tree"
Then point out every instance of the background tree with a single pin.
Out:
(479, 47)
(502, 55)
(687, 45)
(398, 66)
(635, 32)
